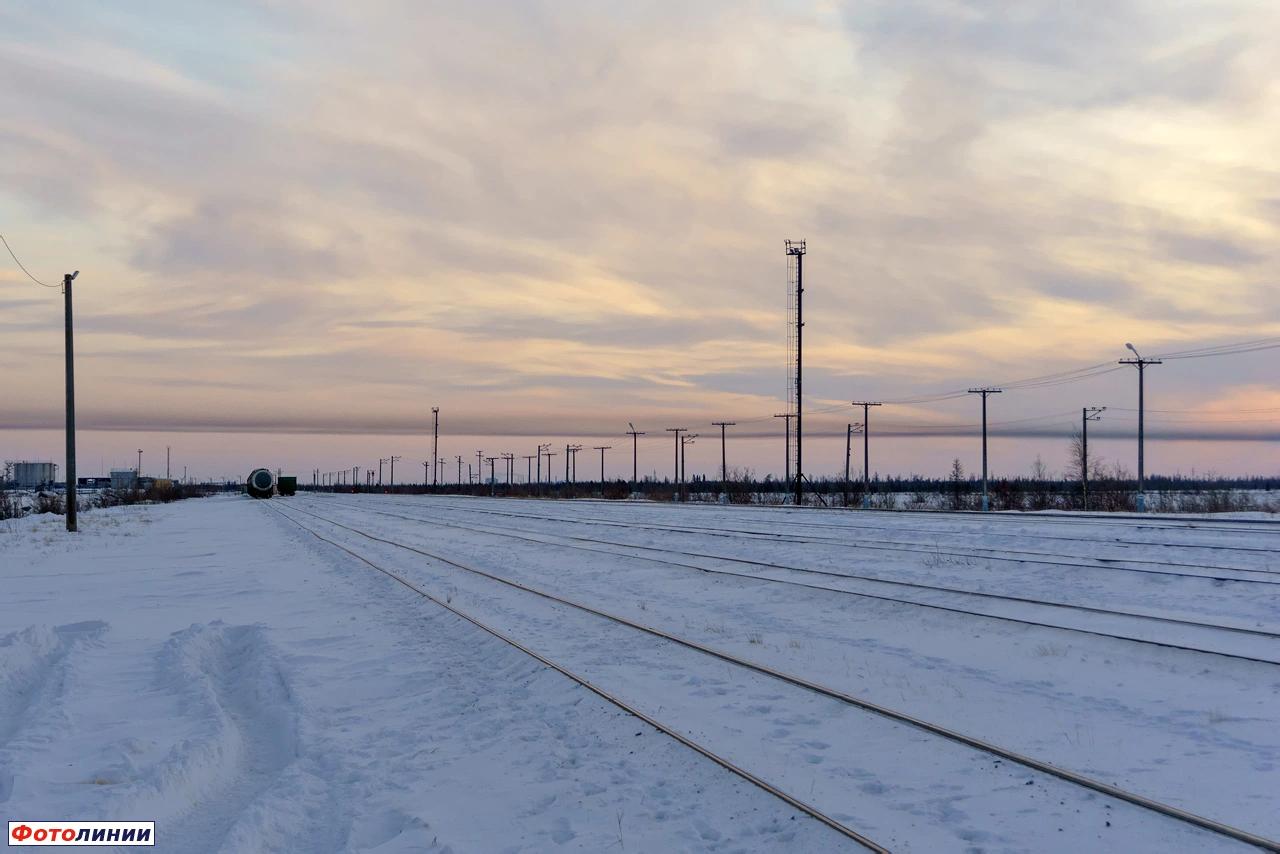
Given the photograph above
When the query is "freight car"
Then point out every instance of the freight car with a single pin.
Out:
(261, 483)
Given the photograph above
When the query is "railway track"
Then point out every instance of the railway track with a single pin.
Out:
(1137, 800)
(852, 522)
(1119, 520)
(949, 532)
(1261, 642)
(1001, 555)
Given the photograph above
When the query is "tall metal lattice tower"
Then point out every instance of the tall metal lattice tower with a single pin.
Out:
(795, 354)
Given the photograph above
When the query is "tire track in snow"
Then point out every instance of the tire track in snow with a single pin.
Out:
(35, 667)
(245, 743)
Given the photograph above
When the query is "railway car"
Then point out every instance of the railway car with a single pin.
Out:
(261, 483)
(286, 485)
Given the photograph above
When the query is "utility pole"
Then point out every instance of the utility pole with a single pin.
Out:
(381, 461)
(634, 433)
(138, 476)
(572, 450)
(602, 449)
(426, 480)
(528, 461)
(550, 454)
(796, 249)
(866, 450)
(724, 459)
(542, 449)
(510, 460)
(70, 365)
(492, 474)
(849, 444)
(984, 392)
(1141, 364)
(435, 444)
(677, 431)
(459, 470)
(166, 462)
(393, 471)
(787, 416)
(684, 443)
(479, 467)
(1087, 414)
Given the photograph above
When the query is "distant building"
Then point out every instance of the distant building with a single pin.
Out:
(93, 483)
(123, 478)
(28, 475)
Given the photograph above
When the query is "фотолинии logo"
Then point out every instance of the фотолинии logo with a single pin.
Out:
(60, 833)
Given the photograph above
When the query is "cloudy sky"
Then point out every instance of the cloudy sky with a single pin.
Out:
(557, 217)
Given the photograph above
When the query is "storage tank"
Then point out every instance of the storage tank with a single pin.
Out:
(260, 484)
(29, 475)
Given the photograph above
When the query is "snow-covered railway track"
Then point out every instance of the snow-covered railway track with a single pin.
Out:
(631, 709)
(1145, 521)
(1093, 786)
(1235, 642)
(846, 525)
(1244, 575)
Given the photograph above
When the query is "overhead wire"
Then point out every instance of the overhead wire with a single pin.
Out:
(1059, 378)
(24, 269)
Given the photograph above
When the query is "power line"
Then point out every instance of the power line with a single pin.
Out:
(24, 269)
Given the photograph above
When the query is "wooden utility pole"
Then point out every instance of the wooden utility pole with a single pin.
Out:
(435, 444)
(866, 450)
(634, 434)
(602, 449)
(70, 365)
(677, 431)
(1141, 364)
(984, 392)
(724, 459)
(1087, 414)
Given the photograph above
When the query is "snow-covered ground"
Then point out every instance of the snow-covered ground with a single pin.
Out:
(213, 666)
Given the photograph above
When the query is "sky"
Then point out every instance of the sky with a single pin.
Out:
(315, 221)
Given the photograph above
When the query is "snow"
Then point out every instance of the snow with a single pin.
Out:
(211, 666)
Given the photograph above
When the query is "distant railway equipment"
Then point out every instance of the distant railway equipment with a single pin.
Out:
(261, 484)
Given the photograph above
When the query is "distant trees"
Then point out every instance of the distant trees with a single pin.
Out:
(958, 484)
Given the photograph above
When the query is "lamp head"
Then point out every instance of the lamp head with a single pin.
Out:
(1131, 347)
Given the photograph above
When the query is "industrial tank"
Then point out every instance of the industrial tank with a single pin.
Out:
(260, 484)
